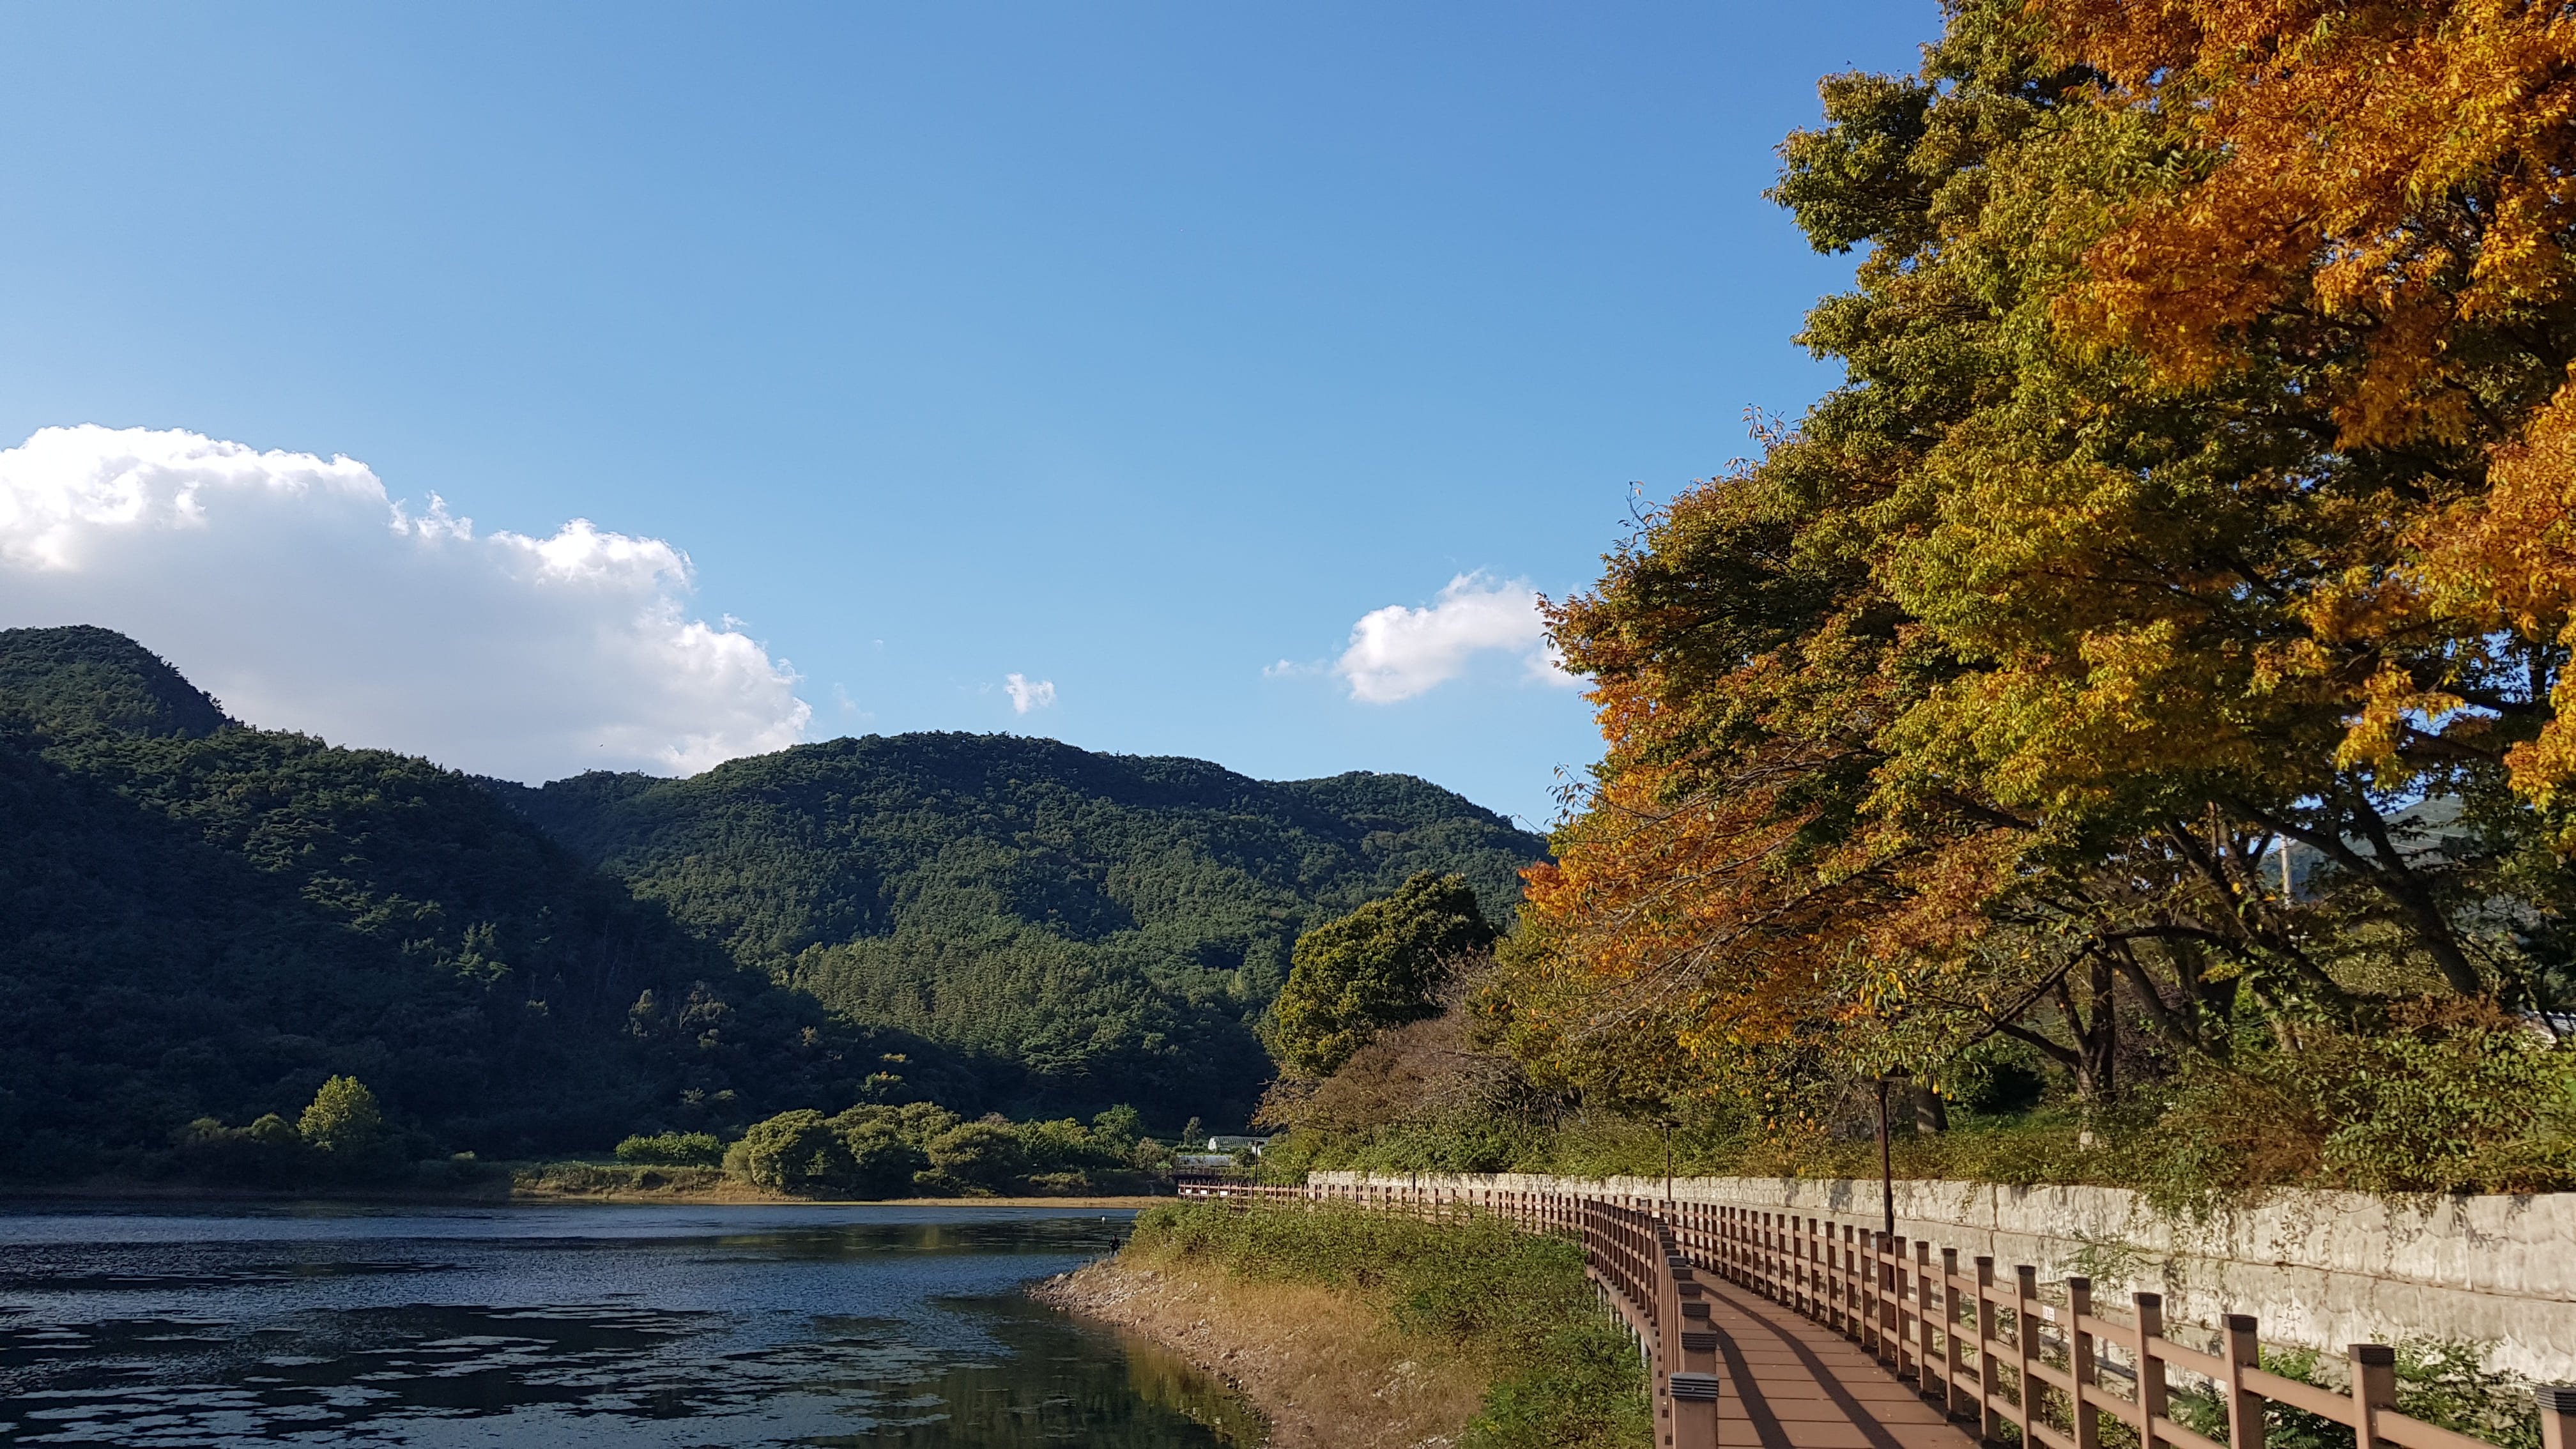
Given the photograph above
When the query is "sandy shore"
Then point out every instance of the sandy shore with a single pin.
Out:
(1325, 1369)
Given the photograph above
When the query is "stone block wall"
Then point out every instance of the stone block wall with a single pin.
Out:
(2319, 1269)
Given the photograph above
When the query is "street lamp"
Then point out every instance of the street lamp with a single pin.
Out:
(1886, 1162)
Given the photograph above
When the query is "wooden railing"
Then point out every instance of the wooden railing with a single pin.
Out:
(1992, 1352)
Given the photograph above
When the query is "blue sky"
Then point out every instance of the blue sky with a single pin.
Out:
(1131, 349)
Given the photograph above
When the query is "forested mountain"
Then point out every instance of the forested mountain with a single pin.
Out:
(1088, 927)
(203, 919)
(199, 919)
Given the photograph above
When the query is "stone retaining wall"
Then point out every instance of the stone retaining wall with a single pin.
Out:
(2319, 1269)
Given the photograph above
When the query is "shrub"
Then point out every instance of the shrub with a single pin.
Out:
(2453, 1096)
(2442, 1383)
(867, 1151)
(874, 1150)
(793, 1152)
(882, 1161)
(267, 1153)
(985, 1155)
(673, 1149)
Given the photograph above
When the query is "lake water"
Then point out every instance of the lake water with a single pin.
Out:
(576, 1326)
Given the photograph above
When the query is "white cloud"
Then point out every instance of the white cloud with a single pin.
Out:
(1397, 653)
(1026, 696)
(295, 590)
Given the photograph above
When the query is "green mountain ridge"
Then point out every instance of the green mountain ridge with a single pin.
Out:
(1088, 927)
(200, 918)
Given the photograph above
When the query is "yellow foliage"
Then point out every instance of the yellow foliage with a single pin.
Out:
(2406, 171)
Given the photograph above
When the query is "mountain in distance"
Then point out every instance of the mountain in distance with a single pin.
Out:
(202, 919)
(198, 918)
(1085, 927)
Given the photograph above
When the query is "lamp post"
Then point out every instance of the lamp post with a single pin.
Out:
(1886, 1163)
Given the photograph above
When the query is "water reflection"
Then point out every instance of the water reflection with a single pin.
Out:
(673, 1327)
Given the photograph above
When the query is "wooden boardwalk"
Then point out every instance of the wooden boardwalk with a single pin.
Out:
(1792, 1383)
(1742, 1368)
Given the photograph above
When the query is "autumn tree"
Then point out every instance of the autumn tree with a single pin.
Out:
(1380, 966)
(1994, 695)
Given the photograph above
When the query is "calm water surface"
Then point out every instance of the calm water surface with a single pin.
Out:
(578, 1327)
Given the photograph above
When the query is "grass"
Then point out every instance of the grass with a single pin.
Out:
(1560, 1374)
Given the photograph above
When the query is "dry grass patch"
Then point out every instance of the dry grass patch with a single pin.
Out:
(1325, 1368)
(1373, 1329)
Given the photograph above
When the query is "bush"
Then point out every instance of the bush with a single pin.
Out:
(341, 1137)
(1562, 1374)
(673, 1149)
(986, 1156)
(793, 1152)
(267, 1153)
(867, 1151)
(880, 1151)
(2454, 1096)
(882, 1160)
(2442, 1383)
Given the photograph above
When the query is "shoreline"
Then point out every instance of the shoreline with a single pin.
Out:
(1323, 1369)
(502, 1194)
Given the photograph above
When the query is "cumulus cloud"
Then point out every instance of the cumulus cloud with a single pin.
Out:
(297, 591)
(1397, 652)
(1026, 696)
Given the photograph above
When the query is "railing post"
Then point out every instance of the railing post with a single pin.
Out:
(2557, 1416)
(1891, 1273)
(2374, 1387)
(1990, 1421)
(1876, 1243)
(1770, 1230)
(1810, 1288)
(2026, 1342)
(1894, 1268)
(1957, 1400)
(2152, 1404)
(2080, 1365)
(1693, 1399)
(1928, 1365)
(1853, 1307)
(2237, 1352)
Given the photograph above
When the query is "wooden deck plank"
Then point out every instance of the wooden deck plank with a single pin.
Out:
(1794, 1384)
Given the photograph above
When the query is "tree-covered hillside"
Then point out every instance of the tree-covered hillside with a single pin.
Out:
(199, 919)
(1090, 928)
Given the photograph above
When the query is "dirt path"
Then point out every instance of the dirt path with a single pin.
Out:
(1323, 1368)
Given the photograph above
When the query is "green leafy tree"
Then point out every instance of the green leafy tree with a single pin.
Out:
(986, 1155)
(795, 1151)
(882, 1161)
(888, 1145)
(673, 1149)
(268, 1152)
(1380, 966)
(343, 1121)
(1118, 1128)
(271, 1130)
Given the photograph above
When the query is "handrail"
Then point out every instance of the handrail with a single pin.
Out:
(1926, 1322)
